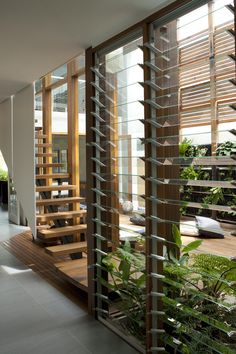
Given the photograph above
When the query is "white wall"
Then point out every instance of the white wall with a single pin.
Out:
(6, 132)
(24, 152)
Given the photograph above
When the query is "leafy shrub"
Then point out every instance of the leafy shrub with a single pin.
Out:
(126, 268)
(200, 300)
(226, 148)
(3, 175)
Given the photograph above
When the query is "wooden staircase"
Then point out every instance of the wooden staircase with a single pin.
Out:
(61, 224)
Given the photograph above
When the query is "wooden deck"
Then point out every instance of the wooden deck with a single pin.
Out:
(221, 247)
(33, 255)
(70, 277)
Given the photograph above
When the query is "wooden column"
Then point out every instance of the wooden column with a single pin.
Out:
(47, 119)
(91, 241)
(214, 122)
(112, 168)
(148, 189)
(73, 134)
(47, 111)
(167, 100)
(235, 30)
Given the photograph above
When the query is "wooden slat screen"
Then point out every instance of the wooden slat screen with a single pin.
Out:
(195, 77)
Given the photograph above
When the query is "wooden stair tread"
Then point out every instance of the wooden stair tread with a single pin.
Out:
(59, 201)
(66, 249)
(52, 176)
(61, 215)
(72, 263)
(40, 136)
(43, 145)
(44, 154)
(62, 231)
(64, 187)
(78, 276)
(53, 164)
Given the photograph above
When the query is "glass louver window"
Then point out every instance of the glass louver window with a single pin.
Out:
(163, 153)
(119, 187)
(191, 69)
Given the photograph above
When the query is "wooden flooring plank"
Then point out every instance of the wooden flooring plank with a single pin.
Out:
(220, 247)
(77, 276)
(73, 263)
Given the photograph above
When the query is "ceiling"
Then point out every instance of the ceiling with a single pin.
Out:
(36, 36)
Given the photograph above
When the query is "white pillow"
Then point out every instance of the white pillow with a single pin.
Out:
(209, 227)
(189, 228)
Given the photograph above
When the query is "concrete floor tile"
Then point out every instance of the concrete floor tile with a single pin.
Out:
(52, 342)
(88, 331)
(63, 311)
(36, 318)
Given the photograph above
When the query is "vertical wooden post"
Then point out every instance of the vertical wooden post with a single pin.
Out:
(235, 30)
(47, 119)
(91, 241)
(148, 207)
(112, 168)
(73, 134)
(214, 123)
(47, 112)
(168, 101)
(213, 103)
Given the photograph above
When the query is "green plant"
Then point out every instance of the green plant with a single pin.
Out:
(222, 273)
(200, 299)
(182, 256)
(226, 148)
(191, 173)
(126, 269)
(216, 196)
(231, 203)
(184, 146)
(3, 175)
(187, 149)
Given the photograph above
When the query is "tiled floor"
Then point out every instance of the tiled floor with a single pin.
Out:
(8, 230)
(36, 318)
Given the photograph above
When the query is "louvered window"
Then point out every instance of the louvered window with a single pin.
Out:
(190, 168)
(161, 143)
(118, 185)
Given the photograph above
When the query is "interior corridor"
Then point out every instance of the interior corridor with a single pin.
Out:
(36, 318)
